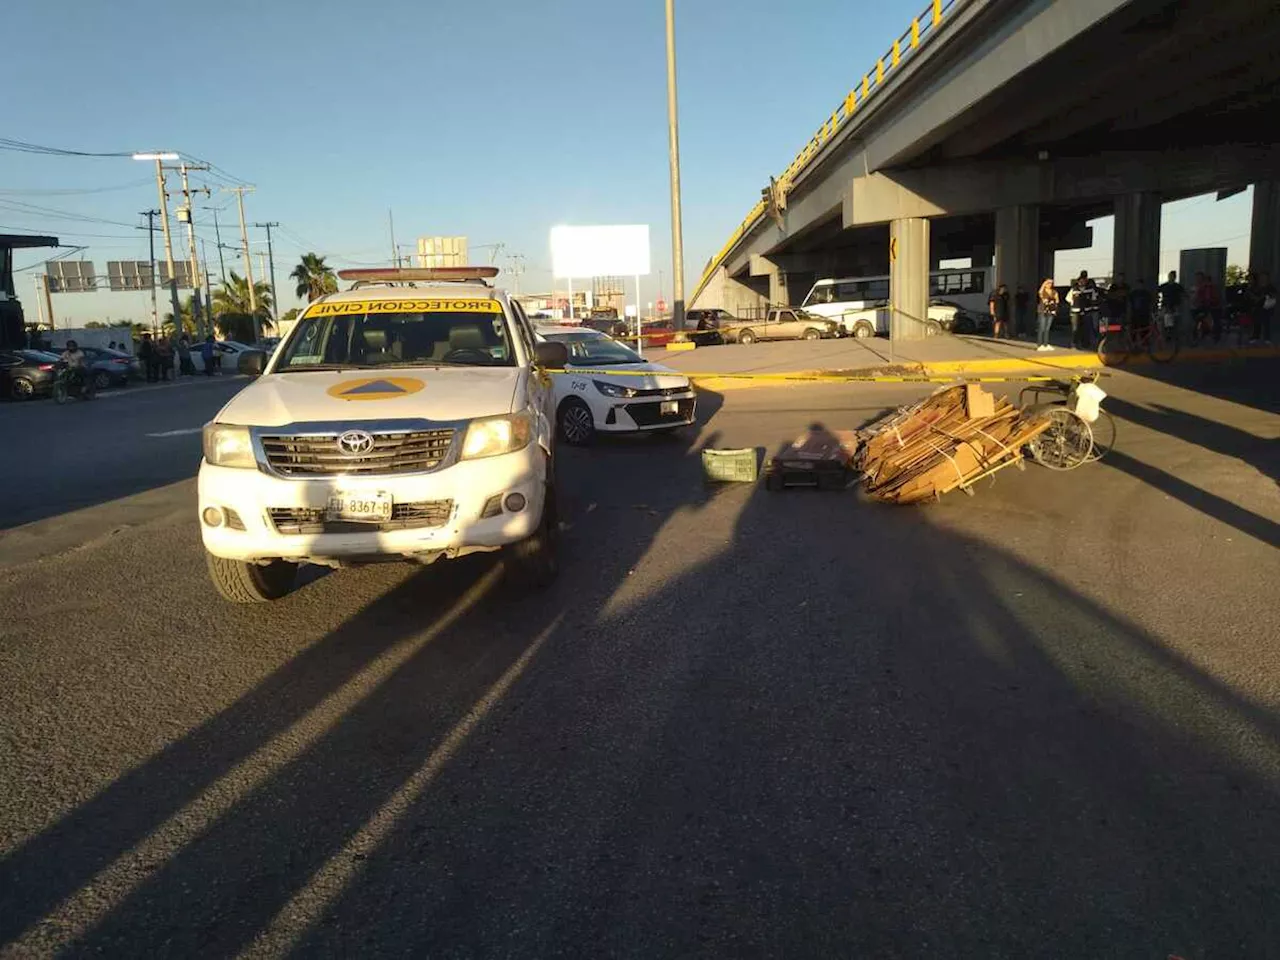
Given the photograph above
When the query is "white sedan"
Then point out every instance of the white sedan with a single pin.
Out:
(228, 350)
(609, 388)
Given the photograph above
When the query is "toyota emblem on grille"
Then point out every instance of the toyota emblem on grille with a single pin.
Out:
(355, 443)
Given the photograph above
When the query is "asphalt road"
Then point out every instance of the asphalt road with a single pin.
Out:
(1043, 721)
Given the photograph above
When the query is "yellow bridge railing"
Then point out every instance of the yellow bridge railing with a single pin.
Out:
(921, 29)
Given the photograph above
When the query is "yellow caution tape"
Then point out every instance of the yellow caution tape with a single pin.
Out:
(814, 377)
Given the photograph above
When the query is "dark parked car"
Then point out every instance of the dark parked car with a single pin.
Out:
(26, 373)
(110, 368)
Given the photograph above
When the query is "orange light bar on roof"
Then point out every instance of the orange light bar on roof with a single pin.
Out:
(419, 273)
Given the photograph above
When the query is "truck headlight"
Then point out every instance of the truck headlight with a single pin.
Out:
(614, 390)
(228, 445)
(493, 436)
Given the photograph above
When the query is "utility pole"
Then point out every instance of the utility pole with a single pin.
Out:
(271, 258)
(39, 300)
(151, 246)
(217, 236)
(196, 313)
(517, 268)
(395, 251)
(48, 301)
(248, 260)
(673, 129)
(168, 241)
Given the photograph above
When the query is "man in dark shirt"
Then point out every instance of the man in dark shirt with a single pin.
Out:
(1140, 304)
(1021, 311)
(998, 305)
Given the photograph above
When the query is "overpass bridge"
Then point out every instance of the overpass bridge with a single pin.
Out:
(996, 128)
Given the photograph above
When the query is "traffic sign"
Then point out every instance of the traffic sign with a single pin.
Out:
(662, 305)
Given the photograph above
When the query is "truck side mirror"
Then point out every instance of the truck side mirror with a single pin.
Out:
(251, 363)
(552, 355)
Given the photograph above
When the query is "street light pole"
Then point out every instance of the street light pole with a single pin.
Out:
(673, 129)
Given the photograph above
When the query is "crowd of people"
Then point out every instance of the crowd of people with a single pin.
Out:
(1248, 306)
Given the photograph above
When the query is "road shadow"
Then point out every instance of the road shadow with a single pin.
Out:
(752, 724)
(1249, 381)
(846, 732)
(1213, 436)
(411, 665)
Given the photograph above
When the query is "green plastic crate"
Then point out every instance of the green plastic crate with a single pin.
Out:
(731, 466)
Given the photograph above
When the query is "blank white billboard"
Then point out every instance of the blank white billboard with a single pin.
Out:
(617, 251)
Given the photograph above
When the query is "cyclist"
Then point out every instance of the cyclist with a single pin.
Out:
(77, 365)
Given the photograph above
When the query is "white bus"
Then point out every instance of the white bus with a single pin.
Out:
(957, 298)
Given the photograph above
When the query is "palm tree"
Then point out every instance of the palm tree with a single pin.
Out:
(233, 297)
(314, 277)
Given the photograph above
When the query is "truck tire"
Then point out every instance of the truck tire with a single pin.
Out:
(747, 337)
(239, 582)
(862, 330)
(534, 562)
(813, 334)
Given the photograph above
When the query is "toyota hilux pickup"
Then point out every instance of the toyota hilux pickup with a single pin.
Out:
(408, 418)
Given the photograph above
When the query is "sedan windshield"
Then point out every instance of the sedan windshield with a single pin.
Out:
(474, 336)
(588, 348)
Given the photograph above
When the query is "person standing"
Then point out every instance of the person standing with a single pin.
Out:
(185, 367)
(1047, 303)
(206, 354)
(1021, 312)
(1265, 296)
(998, 305)
(147, 354)
(1117, 304)
(164, 359)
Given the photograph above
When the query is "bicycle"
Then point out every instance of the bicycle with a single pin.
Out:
(1120, 341)
(1080, 431)
(70, 383)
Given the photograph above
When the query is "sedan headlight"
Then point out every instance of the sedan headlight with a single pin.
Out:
(614, 390)
(228, 445)
(493, 436)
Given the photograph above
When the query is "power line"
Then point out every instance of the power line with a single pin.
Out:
(75, 191)
(53, 213)
(21, 146)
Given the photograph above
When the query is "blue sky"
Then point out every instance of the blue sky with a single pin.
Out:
(493, 121)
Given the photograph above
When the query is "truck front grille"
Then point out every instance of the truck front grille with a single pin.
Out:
(317, 455)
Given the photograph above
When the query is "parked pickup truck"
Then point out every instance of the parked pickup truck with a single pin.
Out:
(780, 323)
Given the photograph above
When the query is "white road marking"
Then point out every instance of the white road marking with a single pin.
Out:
(177, 433)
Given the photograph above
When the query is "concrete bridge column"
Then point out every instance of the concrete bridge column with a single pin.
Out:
(1264, 235)
(1017, 258)
(779, 289)
(908, 278)
(1136, 252)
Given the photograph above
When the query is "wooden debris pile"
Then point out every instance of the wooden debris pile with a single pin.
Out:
(951, 439)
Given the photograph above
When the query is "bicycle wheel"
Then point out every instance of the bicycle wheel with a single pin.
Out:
(1104, 436)
(1114, 348)
(1066, 444)
(1162, 346)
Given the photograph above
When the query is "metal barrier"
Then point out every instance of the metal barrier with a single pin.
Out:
(921, 30)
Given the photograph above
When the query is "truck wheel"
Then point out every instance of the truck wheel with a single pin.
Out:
(535, 562)
(932, 328)
(812, 334)
(863, 330)
(747, 337)
(240, 582)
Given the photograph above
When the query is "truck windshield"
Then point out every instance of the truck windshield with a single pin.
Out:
(475, 336)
